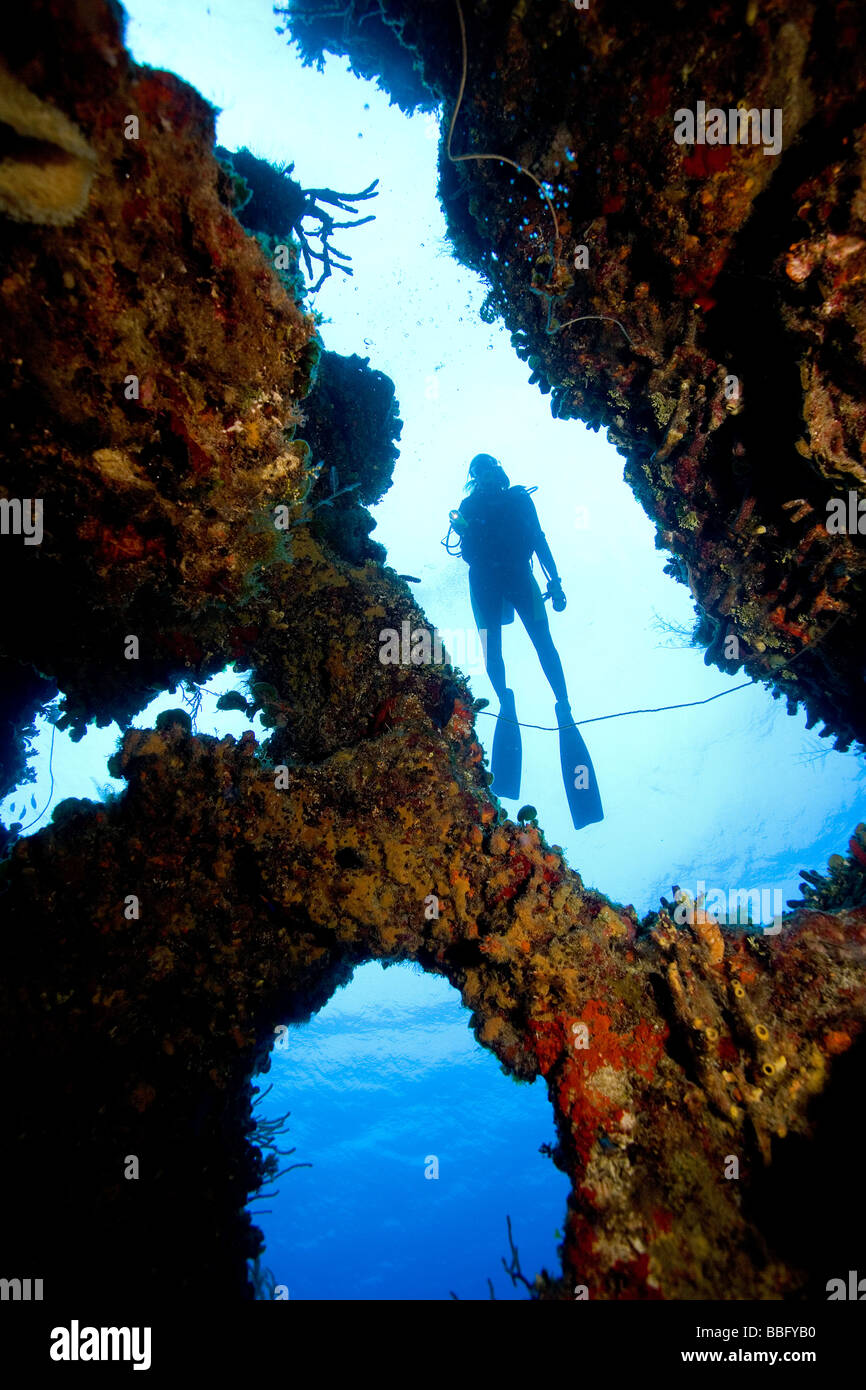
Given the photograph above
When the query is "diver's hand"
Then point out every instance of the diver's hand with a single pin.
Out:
(556, 594)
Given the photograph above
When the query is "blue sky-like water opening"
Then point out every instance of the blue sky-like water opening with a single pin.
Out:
(65, 768)
(385, 1078)
(734, 794)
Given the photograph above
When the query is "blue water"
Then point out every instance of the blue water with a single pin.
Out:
(734, 793)
(384, 1078)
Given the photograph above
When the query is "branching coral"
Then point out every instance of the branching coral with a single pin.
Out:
(844, 886)
(278, 206)
(266, 1136)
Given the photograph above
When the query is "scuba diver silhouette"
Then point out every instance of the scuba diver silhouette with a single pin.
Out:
(498, 532)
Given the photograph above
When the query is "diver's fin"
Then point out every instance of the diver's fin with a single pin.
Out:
(578, 773)
(507, 750)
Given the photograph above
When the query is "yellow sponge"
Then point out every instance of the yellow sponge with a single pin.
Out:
(46, 165)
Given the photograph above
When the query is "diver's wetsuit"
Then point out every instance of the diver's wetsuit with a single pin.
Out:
(503, 534)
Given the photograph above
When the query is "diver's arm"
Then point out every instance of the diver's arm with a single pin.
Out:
(540, 547)
(542, 550)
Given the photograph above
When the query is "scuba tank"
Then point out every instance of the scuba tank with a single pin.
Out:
(497, 523)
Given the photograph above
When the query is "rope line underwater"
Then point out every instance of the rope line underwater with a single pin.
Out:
(503, 159)
(543, 728)
(599, 718)
(622, 714)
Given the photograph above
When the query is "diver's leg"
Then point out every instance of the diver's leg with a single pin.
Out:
(578, 773)
(506, 756)
(526, 597)
(493, 660)
(487, 609)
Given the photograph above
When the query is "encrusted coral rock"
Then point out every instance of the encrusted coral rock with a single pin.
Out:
(703, 302)
(154, 367)
(153, 943)
(255, 892)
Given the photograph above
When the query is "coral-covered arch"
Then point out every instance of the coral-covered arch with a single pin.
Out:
(256, 888)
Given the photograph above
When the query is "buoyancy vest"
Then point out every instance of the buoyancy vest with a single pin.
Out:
(501, 529)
